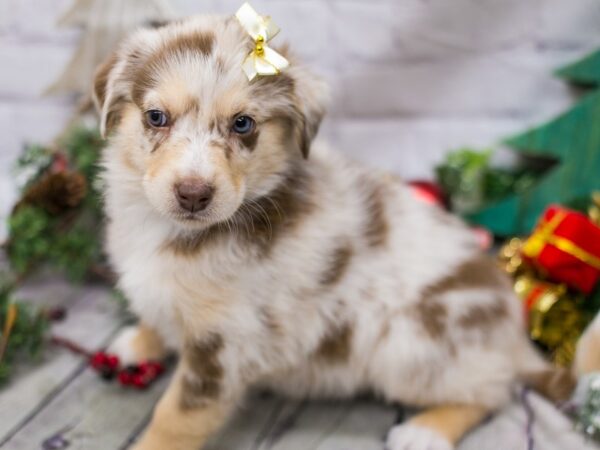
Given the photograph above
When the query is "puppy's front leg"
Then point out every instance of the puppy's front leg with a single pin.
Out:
(439, 428)
(195, 404)
(138, 343)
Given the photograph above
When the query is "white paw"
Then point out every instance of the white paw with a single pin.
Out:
(123, 346)
(414, 437)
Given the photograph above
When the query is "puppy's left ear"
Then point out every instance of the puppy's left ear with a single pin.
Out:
(312, 95)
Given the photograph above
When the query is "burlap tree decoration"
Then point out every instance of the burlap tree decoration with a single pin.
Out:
(104, 24)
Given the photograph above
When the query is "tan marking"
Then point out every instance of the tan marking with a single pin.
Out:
(162, 160)
(451, 421)
(335, 348)
(203, 382)
(128, 162)
(172, 427)
(587, 355)
(337, 264)
(147, 344)
(377, 227)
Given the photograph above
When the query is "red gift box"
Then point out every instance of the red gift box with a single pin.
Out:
(565, 247)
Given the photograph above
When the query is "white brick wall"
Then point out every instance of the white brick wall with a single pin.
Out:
(411, 79)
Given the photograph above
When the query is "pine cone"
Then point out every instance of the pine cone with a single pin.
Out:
(56, 192)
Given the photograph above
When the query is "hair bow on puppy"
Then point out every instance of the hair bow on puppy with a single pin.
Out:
(263, 60)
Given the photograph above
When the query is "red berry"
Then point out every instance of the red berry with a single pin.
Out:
(138, 381)
(125, 378)
(98, 360)
(112, 361)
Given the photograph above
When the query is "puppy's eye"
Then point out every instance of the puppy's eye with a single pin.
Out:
(156, 118)
(243, 125)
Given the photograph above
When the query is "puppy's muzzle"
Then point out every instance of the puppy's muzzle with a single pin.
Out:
(193, 194)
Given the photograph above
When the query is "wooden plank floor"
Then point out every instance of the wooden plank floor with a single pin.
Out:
(60, 395)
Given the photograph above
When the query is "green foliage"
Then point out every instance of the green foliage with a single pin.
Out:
(32, 163)
(471, 181)
(27, 334)
(74, 252)
(83, 147)
(30, 237)
(69, 241)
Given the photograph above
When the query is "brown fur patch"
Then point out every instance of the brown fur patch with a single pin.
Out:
(556, 383)
(337, 264)
(101, 78)
(433, 316)
(479, 272)
(249, 141)
(206, 372)
(377, 228)
(259, 224)
(335, 348)
(484, 315)
(145, 76)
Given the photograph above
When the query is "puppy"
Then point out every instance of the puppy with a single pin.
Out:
(266, 259)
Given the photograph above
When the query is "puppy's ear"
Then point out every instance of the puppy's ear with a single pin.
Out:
(312, 95)
(108, 112)
(114, 78)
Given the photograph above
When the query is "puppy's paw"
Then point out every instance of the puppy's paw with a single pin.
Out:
(136, 344)
(414, 437)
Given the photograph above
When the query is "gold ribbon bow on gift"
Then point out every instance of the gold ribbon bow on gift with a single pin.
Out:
(263, 60)
(544, 235)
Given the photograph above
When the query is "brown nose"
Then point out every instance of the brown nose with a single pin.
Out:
(194, 195)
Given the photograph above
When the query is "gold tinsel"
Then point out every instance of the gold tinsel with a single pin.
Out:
(555, 319)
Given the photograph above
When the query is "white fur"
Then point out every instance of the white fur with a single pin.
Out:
(414, 437)
(123, 348)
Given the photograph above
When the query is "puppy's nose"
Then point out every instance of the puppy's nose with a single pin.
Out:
(193, 194)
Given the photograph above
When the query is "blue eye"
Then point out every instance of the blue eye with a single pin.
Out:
(243, 125)
(156, 118)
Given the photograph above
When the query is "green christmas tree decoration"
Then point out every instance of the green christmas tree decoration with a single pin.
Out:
(585, 72)
(568, 145)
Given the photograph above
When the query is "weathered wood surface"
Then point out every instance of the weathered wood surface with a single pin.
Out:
(91, 321)
(62, 394)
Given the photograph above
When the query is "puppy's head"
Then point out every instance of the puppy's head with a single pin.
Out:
(202, 138)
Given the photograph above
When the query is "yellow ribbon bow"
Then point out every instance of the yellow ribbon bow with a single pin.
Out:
(263, 60)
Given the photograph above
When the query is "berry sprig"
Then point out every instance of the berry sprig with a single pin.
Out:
(108, 366)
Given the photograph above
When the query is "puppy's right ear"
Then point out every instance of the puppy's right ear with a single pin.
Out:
(103, 97)
(114, 77)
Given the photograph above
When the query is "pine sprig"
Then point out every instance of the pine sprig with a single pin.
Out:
(57, 221)
(26, 336)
